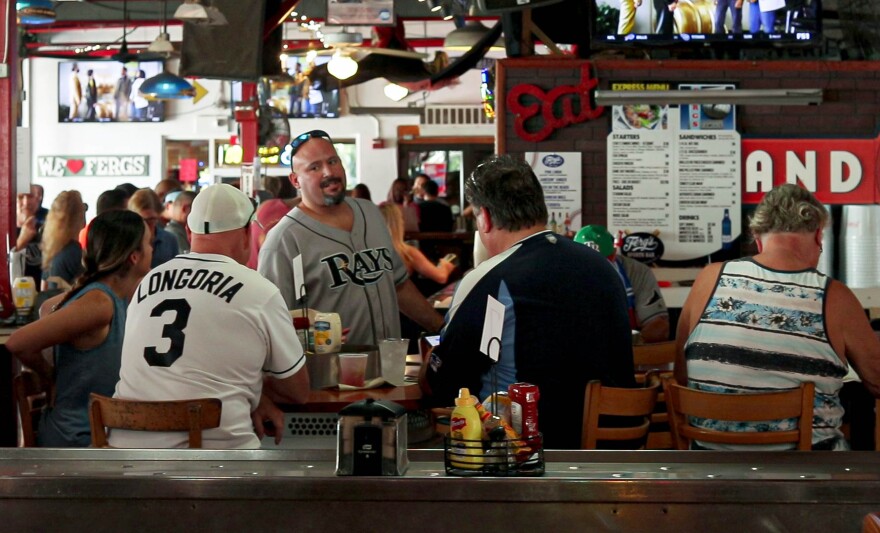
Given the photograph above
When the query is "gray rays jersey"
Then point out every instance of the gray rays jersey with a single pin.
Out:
(351, 273)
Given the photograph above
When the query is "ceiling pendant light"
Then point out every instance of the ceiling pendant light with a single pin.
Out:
(191, 11)
(167, 86)
(395, 92)
(35, 11)
(341, 66)
(162, 43)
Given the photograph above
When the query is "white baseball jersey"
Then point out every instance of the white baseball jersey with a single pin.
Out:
(204, 326)
(352, 273)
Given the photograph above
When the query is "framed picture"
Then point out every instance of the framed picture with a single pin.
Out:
(361, 12)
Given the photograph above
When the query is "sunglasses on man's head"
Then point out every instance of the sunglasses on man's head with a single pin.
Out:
(300, 139)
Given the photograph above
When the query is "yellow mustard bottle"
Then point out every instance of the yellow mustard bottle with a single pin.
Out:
(465, 432)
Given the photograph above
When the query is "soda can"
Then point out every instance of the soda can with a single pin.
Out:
(526, 396)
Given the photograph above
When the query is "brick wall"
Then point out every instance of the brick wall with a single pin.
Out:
(851, 107)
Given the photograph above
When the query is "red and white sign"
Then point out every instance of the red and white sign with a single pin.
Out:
(837, 171)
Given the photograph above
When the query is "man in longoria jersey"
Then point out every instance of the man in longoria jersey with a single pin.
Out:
(204, 325)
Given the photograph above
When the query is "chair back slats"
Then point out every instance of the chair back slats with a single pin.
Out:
(683, 403)
(656, 354)
(31, 396)
(612, 401)
(191, 416)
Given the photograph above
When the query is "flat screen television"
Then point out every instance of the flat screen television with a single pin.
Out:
(692, 22)
(113, 97)
(296, 95)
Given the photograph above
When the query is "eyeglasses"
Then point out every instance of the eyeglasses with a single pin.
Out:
(299, 140)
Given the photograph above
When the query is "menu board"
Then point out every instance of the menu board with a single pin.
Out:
(560, 177)
(674, 172)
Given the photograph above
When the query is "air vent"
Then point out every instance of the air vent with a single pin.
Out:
(454, 116)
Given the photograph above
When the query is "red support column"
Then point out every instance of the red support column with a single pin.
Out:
(8, 123)
(246, 116)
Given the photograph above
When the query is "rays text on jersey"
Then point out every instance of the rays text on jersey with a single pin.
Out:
(362, 268)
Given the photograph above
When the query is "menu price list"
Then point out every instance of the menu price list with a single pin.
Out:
(680, 184)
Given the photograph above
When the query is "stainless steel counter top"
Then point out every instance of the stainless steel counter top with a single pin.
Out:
(679, 491)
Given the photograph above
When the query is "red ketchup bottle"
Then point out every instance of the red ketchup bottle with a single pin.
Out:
(526, 395)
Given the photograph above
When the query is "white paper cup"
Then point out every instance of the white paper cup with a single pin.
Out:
(352, 369)
(392, 354)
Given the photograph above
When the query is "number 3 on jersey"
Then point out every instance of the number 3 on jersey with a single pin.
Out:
(172, 331)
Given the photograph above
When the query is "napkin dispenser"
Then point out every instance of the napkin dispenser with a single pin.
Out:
(371, 439)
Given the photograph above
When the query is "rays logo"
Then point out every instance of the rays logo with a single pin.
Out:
(553, 160)
(363, 268)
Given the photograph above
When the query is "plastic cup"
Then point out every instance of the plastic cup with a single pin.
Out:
(392, 354)
(352, 369)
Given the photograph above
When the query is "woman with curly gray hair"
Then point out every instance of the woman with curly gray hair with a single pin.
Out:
(772, 321)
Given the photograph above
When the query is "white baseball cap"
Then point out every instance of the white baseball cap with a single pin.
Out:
(220, 208)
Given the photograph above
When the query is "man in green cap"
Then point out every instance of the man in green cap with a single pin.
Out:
(647, 310)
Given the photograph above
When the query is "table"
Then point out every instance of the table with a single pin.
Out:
(312, 425)
(333, 400)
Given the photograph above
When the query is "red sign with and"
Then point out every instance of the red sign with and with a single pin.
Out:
(837, 171)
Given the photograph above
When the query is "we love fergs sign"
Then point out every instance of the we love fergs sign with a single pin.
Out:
(93, 166)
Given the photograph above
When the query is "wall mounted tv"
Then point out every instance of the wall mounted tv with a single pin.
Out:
(298, 96)
(113, 97)
(756, 23)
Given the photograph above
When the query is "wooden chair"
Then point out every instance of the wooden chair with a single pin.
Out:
(877, 427)
(612, 401)
(30, 395)
(871, 523)
(179, 415)
(684, 403)
(658, 356)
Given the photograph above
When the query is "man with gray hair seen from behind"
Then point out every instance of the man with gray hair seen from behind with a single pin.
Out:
(179, 204)
(203, 325)
(349, 262)
(564, 314)
(772, 321)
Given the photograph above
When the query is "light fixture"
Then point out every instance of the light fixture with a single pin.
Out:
(341, 66)
(167, 86)
(35, 11)
(191, 11)
(446, 12)
(396, 92)
(162, 43)
(435, 5)
(465, 37)
(712, 96)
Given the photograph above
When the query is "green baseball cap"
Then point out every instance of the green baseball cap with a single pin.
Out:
(597, 237)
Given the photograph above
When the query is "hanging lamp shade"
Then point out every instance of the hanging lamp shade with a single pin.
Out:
(191, 11)
(35, 11)
(467, 36)
(167, 86)
(341, 66)
(396, 92)
(161, 44)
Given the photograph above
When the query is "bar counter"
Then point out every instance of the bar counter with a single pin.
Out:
(297, 490)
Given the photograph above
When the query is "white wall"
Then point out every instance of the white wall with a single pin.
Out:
(188, 121)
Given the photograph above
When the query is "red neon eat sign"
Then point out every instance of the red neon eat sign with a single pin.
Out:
(541, 103)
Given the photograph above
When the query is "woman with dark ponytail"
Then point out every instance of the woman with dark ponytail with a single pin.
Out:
(86, 327)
